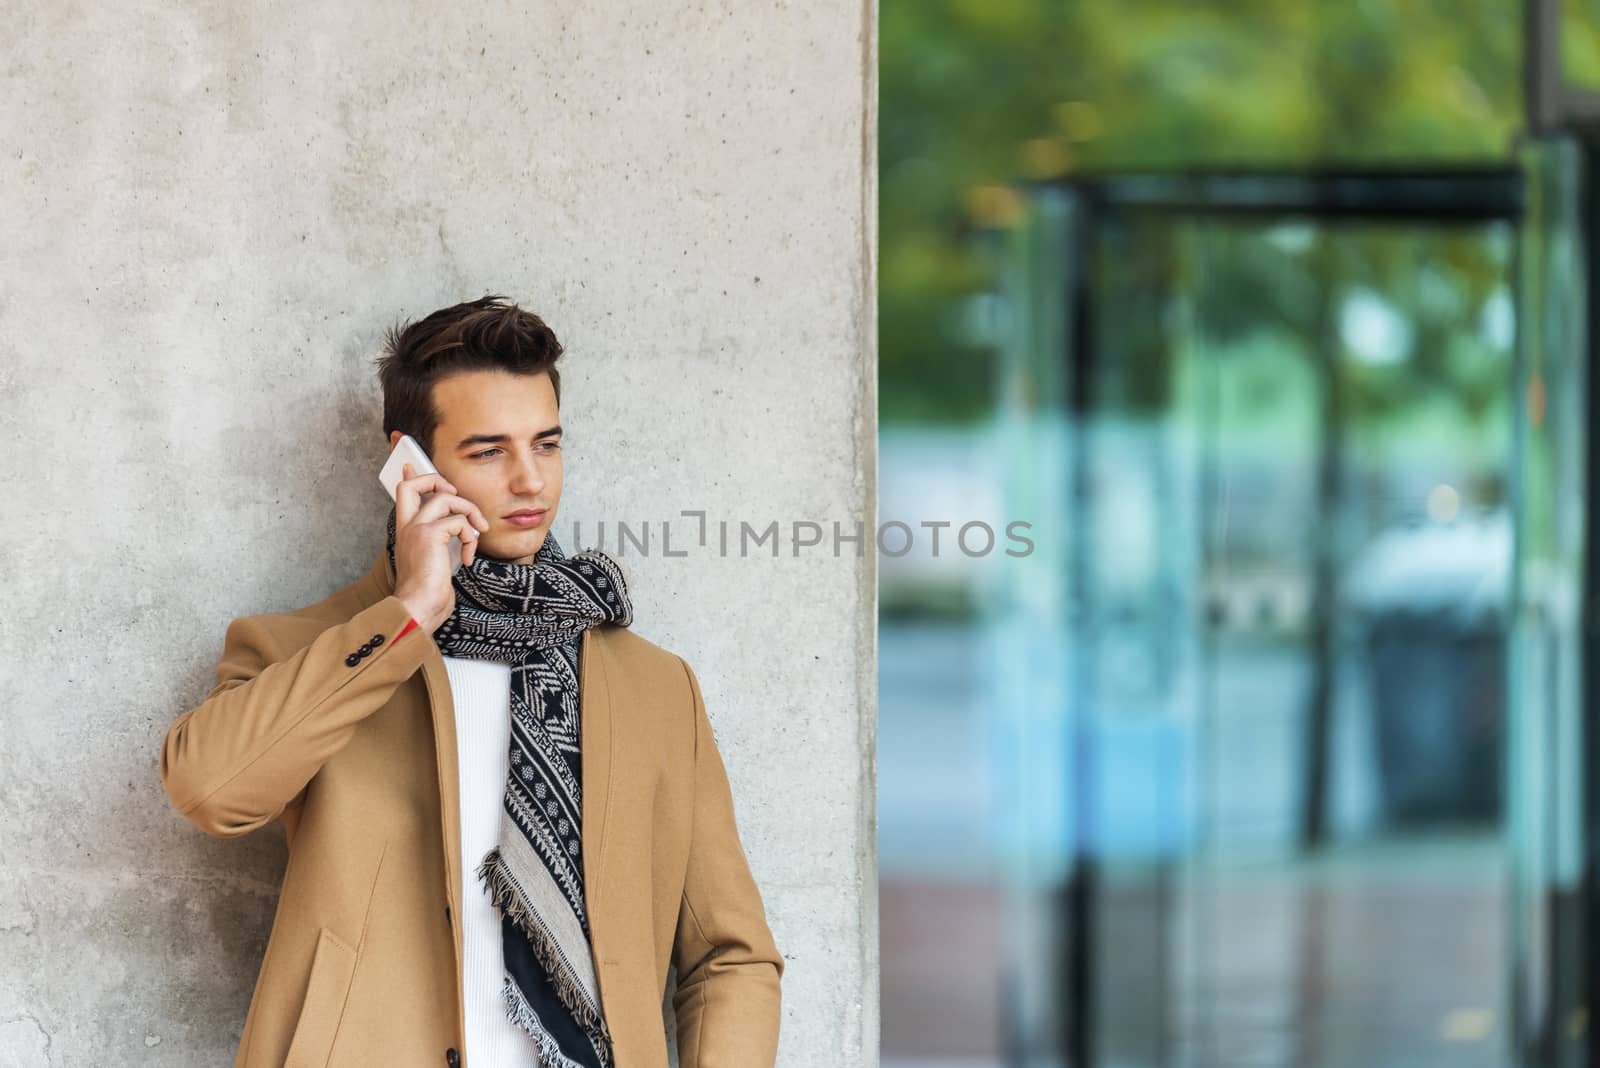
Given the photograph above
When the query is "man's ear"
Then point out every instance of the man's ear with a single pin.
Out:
(394, 438)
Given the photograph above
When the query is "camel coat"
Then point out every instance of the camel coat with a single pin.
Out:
(355, 753)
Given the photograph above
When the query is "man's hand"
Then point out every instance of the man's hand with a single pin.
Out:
(421, 544)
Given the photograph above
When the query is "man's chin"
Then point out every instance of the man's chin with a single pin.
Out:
(520, 546)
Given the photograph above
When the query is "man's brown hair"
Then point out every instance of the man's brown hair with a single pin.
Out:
(479, 335)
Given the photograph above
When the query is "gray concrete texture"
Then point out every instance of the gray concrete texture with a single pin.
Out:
(211, 211)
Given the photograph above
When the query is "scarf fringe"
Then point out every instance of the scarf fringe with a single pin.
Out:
(503, 892)
(521, 1013)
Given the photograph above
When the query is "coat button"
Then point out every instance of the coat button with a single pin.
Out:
(352, 660)
(452, 1058)
(377, 639)
(364, 650)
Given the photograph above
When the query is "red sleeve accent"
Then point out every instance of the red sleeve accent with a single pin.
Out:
(406, 629)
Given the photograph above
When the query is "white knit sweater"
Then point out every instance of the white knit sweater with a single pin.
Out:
(481, 690)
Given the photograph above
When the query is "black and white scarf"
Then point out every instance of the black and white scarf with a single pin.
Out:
(532, 617)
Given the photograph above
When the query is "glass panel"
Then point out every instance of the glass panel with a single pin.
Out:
(1028, 605)
(1549, 939)
(1137, 641)
(975, 818)
(1349, 390)
(1288, 574)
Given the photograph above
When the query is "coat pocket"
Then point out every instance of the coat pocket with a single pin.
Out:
(332, 968)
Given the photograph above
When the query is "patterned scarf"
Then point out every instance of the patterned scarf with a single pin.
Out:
(532, 617)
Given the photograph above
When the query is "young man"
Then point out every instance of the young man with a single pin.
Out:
(506, 813)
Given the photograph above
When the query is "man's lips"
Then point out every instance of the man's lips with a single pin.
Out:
(527, 517)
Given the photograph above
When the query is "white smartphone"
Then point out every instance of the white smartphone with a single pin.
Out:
(407, 451)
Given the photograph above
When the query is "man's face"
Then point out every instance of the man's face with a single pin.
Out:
(499, 443)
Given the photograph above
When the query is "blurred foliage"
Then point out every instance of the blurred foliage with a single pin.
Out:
(1420, 321)
(975, 94)
(945, 602)
(1580, 43)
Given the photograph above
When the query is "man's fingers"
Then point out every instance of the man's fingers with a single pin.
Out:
(409, 490)
(408, 493)
(442, 504)
(459, 526)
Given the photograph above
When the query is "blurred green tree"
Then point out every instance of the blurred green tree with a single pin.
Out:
(975, 94)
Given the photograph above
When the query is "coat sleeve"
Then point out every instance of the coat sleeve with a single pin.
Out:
(231, 764)
(727, 999)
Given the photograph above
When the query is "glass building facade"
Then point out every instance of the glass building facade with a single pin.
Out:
(1275, 749)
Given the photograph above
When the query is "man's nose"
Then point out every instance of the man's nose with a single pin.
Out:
(526, 478)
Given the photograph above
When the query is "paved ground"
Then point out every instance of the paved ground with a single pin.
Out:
(1382, 954)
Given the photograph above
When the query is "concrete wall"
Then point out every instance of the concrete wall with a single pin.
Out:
(210, 213)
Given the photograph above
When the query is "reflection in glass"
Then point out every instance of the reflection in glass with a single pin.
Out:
(1275, 834)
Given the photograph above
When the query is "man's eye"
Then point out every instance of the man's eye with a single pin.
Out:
(550, 446)
(481, 455)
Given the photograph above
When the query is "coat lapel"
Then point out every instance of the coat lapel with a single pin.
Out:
(595, 736)
(443, 714)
